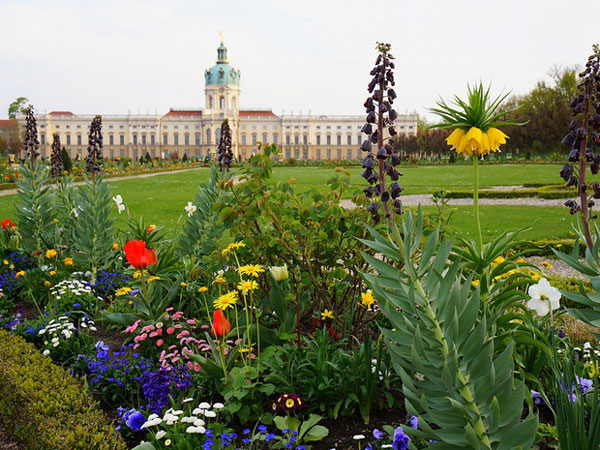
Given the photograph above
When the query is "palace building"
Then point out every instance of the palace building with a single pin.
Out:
(196, 131)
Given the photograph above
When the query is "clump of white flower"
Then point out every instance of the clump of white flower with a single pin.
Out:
(192, 423)
(73, 286)
(59, 331)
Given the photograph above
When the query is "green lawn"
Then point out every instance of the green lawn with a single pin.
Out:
(160, 199)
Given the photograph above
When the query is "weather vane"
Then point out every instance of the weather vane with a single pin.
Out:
(221, 34)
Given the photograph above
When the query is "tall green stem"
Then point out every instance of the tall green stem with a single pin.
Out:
(476, 199)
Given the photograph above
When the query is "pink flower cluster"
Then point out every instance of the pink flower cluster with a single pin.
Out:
(172, 334)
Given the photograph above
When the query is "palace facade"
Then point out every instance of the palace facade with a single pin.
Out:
(196, 131)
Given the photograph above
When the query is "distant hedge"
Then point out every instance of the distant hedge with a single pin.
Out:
(44, 407)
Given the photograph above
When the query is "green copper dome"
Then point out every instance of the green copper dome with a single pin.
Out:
(222, 72)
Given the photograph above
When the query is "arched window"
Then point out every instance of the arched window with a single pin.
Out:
(217, 135)
(208, 135)
(233, 103)
(243, 138)
(210, 102)
(197, 136)
(221, 102)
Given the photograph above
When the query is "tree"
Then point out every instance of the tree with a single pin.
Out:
(547, 113)
(3, 146)
(16, 107)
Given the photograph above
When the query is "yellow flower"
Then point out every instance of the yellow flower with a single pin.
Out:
(232, 246)
(5, 262)
(152, 278)
(11, 267)
(183, 284)
(367, 299)
(546, 264)
(202, 289)
(47, 283)
(51, 254)
(475, 141)
(247, 285)
(593, 369)
(115, 246)
(138, 273)
(558, 245)
(20, 273)
(68, 261)
(219, 280)
(535, 276)
(245, 350)
(123, 291)
(251, 269)
(326, 314)
(520, 260)
(226, 300)
(52, 273)
(499, 260)
(475, 283)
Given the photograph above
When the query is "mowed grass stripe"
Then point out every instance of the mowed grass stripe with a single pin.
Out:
(160, 199)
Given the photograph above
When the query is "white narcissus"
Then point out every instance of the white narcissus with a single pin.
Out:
(190, 208)
(119, 201)
(544, 297)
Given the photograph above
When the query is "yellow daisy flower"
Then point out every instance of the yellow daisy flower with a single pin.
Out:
(219, 280)
(123, 291)
(202, 289)
(499, 260)
(247, 285)
(232, 246)
(226, 300)
(51, 253)
(251, 269)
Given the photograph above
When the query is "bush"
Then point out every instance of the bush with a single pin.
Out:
(44, 407)
(66, 159)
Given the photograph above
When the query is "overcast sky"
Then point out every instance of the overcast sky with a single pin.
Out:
(115, 57)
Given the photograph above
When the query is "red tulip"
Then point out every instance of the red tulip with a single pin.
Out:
(6, 223)
(221, 326)
(138, 255)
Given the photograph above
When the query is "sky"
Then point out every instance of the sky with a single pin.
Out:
(296, 57)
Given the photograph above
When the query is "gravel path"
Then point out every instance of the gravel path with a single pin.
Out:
(110, 180)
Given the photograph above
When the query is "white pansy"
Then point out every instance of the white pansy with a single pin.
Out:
(199, 422)
(191, 209)
(543, 297)
(218, 406)
(197, 430)
(46, 352)
(210, 414)
(161, 434)
(187, 419)
(152, 416)
(204, 405)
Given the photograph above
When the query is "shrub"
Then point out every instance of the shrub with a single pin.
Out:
(44, 407)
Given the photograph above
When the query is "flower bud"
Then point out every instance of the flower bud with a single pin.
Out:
(279, 273)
